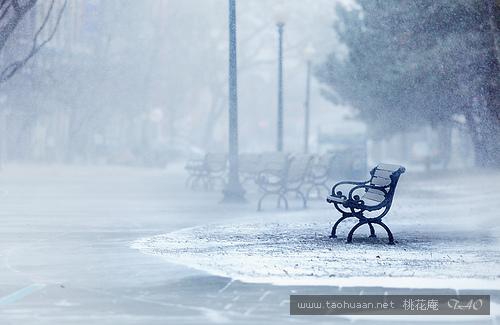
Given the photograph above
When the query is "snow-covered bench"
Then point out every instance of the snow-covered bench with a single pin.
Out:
(319, 174)
(376, 194)
(249, 166)
(208, 171)
(283, 175)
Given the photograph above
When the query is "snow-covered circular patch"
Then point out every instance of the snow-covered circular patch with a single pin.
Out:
(284, 253)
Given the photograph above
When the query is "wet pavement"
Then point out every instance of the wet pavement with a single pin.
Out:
(65, 255)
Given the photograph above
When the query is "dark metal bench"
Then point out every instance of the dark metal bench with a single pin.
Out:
(196, 169)
(283, 175)
(207, 171)
(318, 176)
(376, 194)
(249, 167)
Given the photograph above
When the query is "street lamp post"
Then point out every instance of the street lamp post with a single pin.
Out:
(233, 191)
(307, 108)
(280, 23)
(308, 52)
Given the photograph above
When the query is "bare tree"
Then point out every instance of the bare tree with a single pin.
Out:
(11, 14)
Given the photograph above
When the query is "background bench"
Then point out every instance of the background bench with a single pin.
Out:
(284, 175)
(206, 172)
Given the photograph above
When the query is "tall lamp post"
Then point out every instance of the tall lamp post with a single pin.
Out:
(233, 191)
(308, 53)
(280, 17)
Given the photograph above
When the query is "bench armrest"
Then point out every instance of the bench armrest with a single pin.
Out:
(318, 174)
(269, 179)
(339, 196)
(339, 193)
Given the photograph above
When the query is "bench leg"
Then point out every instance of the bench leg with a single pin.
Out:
(372, 231)
(389, 233)
(310, 189)
(221, 180)
(318, 189)
(334, 228)
(356, 226)
(304, 200)
(282, 197)
(213, 180)
(259, 204)
(308, 192)
(278, 202)
(195, 184)
(206, 183)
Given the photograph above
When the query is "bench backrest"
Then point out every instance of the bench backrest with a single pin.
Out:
(273, 162)
(323, 165)
(385, 176)
(298, 168)
(249, 163)
(215, 162)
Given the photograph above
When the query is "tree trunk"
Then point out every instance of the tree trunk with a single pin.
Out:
(483, 120)
(444, 142)
(213, 116)
(485, 134)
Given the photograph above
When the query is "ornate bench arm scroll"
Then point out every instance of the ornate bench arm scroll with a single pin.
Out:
(339, 193)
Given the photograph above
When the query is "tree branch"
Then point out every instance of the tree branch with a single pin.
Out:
(16, 15)
(16, 6)
(9, 71)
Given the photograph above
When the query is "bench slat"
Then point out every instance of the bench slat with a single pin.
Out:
(379, 181)
(373, 196)
(388, 167)
(298, 168)
(215, 162)
(382, 173)
(273, 161)
(249, 163)
(370, 202)
(378, 192)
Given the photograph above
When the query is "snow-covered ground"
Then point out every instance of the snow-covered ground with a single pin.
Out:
(66, 233)
(445, 226)
(284, 253)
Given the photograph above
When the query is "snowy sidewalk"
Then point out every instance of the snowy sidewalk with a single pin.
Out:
(444, 227)
(303, 254)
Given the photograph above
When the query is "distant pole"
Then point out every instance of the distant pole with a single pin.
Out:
(308, 54)
(279, 145)
(307, 108)
(233, 191)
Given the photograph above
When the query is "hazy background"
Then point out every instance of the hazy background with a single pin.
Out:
(97, 125)
(145, 82)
